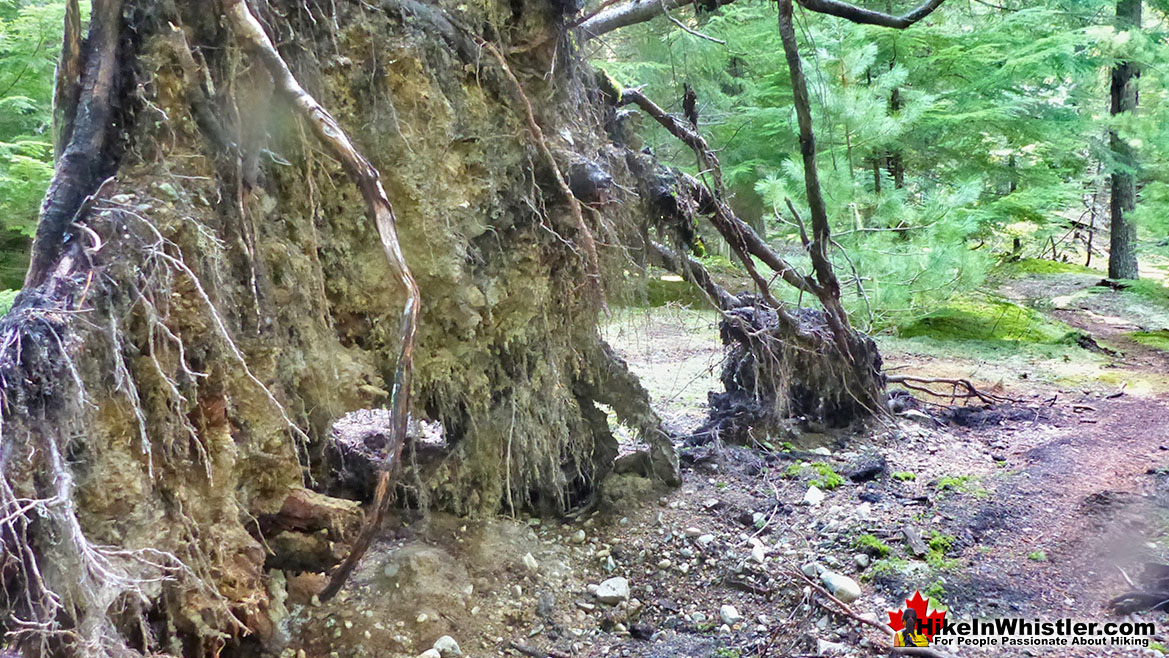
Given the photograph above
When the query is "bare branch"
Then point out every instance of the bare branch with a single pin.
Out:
(630, 13)
(868, 16)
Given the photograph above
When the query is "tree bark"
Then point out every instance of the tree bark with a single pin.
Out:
(1122, 258)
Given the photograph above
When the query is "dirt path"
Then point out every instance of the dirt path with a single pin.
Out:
(1028, 517)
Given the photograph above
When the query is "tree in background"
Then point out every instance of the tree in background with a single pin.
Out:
(1122, 259)
(30, 39)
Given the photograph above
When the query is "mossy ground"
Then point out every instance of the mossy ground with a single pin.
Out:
(988, 319)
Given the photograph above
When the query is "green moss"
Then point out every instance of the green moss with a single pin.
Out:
(726, 652)
(935, 593)
(904, 476)
(667, 288)
(794, 470)
(1149, 289)
(992, 320)
(873, 546)
(1043, 266)
(941, 542)
(887, 567)
(7, 297)
(1158, 647)
(1037, 556)
(1156, 339)
(828, 478)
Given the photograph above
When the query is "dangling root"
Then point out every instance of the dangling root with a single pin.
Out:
(379, 210)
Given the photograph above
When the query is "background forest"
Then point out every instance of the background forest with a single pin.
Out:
(977, 139)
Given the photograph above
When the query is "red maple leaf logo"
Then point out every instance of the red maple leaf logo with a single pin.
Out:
(931, 621)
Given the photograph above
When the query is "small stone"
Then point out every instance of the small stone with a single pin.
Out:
(705, 540)
(729, 615)
(578, 537)
(517, 591)
(447, 647)
(693, 532)
(842, 587)
(545, 604)
(613, 591)
(684, 568)
(867, 467)
(423, 618)
(826, 648)
(430, 653)
(814, 496)
(698, 618)
(821, 451)
(862, 560)
(811, 569)
(530, 562)
(758, 551)
(914, 541)
(664, 564)
(724, 629)
(711, 503)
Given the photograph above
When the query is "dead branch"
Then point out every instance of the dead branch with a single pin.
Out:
(868, 16)
(738, 233)
(381, 213)
(68, 79)
(847, 611)
(969, 390)
(630, 13)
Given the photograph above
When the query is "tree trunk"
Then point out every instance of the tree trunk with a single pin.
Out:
(1122, 258)
(210, 294)
(895, 161)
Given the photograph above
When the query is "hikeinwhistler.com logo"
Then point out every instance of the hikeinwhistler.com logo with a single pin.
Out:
(922, 623)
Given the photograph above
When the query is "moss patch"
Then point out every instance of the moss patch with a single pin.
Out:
(1156, 339)
(1043, 266)
(990, 320)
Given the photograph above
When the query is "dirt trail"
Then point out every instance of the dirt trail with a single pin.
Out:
(1030, 517)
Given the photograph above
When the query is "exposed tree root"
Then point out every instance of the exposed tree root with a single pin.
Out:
(968, 390)
(379, 210)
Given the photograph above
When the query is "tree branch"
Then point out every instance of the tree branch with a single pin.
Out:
(379, 210)
(868, 16)
(631, 13)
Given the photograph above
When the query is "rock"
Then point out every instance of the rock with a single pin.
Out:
(693, 532)
(914, 541)
(705, 540)
(826, 648)
(530, 562)
(447, 647)
(758, 551)
(867, 467)
(729, 615)
(870, 496)
(842, 587)
(811, 569)
(642, 631)
(545, 604)
(822, 450)
(814, 496)
(712, 503)
(862, 561)
(664, 564)
(578, 537)
(613, 591)
(430, 653)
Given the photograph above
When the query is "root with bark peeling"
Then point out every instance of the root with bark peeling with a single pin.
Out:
(379, 210)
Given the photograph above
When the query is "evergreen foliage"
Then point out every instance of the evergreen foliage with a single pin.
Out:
(998, 113)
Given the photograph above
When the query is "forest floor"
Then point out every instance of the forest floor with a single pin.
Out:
(1035, 509)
